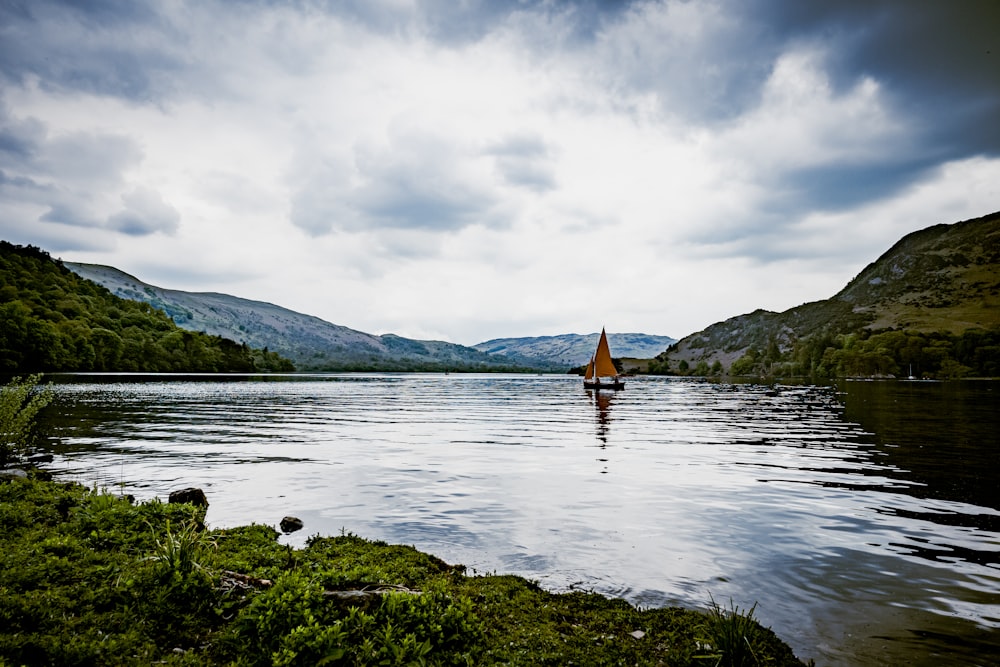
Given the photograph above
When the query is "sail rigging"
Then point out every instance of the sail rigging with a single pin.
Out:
(603, 366)
(601, 372)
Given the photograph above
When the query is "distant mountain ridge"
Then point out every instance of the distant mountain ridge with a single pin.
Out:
(310, 342)
(943, 280)
(576, 349)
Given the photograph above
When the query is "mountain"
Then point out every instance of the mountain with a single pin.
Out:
(932, 301)
(570, 350)
(53, 320)
(311, 343)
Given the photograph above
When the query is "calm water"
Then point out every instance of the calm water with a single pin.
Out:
(863, 519)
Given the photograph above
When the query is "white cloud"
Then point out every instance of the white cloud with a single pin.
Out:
(801, 122)
(525, 161)
(144, 212)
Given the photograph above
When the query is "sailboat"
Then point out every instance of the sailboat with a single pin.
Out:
(601, 372)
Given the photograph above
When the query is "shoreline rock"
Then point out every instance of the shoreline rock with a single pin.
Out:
(290, 524)
(191, 495)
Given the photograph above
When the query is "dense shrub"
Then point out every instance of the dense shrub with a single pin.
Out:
(20, 401)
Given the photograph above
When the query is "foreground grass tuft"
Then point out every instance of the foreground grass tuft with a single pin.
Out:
(734, 637)
(20, 401)
(91, 579)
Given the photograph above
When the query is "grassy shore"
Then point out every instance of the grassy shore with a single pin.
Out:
(91, 579)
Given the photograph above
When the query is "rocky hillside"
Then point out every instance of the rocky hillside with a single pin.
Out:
(570, 350)
(943, 278)
(311, 343)
(942, 281)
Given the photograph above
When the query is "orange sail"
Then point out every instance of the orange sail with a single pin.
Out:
(589, 375)
(603, 366)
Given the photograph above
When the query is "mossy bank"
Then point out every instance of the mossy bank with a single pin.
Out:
(92, 579)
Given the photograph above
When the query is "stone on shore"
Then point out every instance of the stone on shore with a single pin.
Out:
(190, 495)
(290, 524)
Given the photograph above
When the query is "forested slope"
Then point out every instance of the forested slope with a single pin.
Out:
(53, 320)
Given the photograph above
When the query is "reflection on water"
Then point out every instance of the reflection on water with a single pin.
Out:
(602, 401)
(942, 434)
(861, 518)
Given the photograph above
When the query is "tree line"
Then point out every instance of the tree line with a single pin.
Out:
(899, 353)
(864, 353)
(53, 320)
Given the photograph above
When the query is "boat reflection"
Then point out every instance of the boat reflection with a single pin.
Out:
(602, 400)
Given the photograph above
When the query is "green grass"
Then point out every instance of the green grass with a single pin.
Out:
(20, 401)
(733, 637)
(90, 579)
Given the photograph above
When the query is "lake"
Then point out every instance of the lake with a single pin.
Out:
(861, 518)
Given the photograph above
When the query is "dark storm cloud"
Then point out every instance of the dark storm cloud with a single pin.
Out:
(705, 62)
(414, 182)
(937, 68)
(60, 172)
(68, 175)
(107, 47)
(19, 145)
(18, 140)
(16, 182)
(936, 64)
(67, 208)
(144, 213)
(838, 188)
(454, 23)
(93, 160)
(939, 61)
(393, 197)
(404, 199)
(939, 64)
(119, 13)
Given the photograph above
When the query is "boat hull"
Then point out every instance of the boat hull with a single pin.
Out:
(604, 385)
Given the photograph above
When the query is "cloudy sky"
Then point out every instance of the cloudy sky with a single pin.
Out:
(464, 170)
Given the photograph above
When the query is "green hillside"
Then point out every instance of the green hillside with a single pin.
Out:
(53, 320)
(311, 343)
(928, 307)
